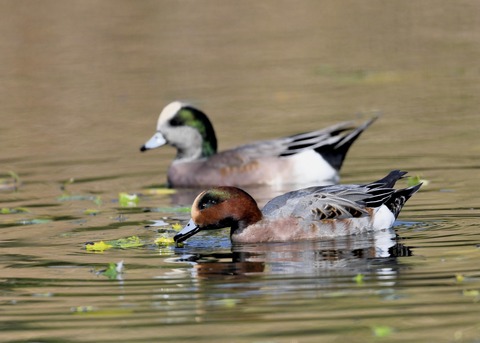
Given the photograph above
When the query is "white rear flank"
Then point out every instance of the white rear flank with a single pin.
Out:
(383, 218)
(310, 168)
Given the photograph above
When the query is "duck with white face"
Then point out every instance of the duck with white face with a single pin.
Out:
(302, 159)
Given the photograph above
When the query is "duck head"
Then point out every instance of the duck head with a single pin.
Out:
(218, 208)
(186, 128)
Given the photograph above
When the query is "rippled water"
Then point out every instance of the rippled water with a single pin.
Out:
(83, 84)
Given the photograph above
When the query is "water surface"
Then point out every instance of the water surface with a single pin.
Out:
(83, 84)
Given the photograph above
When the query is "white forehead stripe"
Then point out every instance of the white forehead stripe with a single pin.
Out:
(169, 112)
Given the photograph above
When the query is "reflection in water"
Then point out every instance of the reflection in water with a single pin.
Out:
(344, 255)
(261, 281)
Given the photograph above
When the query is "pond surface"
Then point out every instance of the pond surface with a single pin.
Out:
(83, 83)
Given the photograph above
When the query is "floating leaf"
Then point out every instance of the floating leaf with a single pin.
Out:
(97, 246)
(229, 302)
(91, 311)
(127, 242)
(415, 180)
(471, 293)
(82, 309)
(359, 279)
(459, 278)
(177, 226)
(382, 330)
(121, 243)
(164, 241)
(6, 210)
(128, 200)
(91, 212)
(113, 270)
(167, 240)
(161, 191)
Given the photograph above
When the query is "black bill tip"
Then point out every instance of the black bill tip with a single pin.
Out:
(188, 231)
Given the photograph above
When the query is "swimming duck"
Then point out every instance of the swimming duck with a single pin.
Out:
(307, 158)
(309, 213)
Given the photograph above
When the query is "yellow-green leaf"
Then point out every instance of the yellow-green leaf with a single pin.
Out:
(121, 243)
(91, 212)
(359, 279)
(471, 293)
(82, 309)
(166, 240)
(459, 278)
(111, 272)
(161, 191)
(382, 330)
(6, 210)
(177, 226)
(127, 242)
(97, 246)
(128, 200)
(415, 180)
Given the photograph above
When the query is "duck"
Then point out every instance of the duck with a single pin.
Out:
(319, 212)
(309, 158)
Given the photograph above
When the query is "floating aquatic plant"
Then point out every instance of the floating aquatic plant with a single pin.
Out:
(10, 182)
(161, 191)
(128, 200)
(359, 279)
(121, 243)
(97, 246)
(91, 212)
(415, 180)
(382, 330)
(113, 270)
(7, 210)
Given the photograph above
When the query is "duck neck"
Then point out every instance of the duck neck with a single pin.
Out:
(206, 144)
(250, 215)
(194, 147)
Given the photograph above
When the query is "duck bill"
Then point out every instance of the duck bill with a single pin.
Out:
(155, 142)
(188, 231)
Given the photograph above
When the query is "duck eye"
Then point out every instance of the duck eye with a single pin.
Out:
(209, 200)
(175, 121)
(207, 203)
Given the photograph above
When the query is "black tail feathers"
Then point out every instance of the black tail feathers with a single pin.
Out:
(400, 197)
(335, 153)
(389, 180)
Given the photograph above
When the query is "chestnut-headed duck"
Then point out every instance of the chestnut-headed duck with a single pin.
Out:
(307, 158)
(309, 213)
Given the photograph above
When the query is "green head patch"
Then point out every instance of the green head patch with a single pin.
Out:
(213, 197)
(194, 118)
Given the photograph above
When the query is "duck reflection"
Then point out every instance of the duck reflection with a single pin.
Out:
(345, 255)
